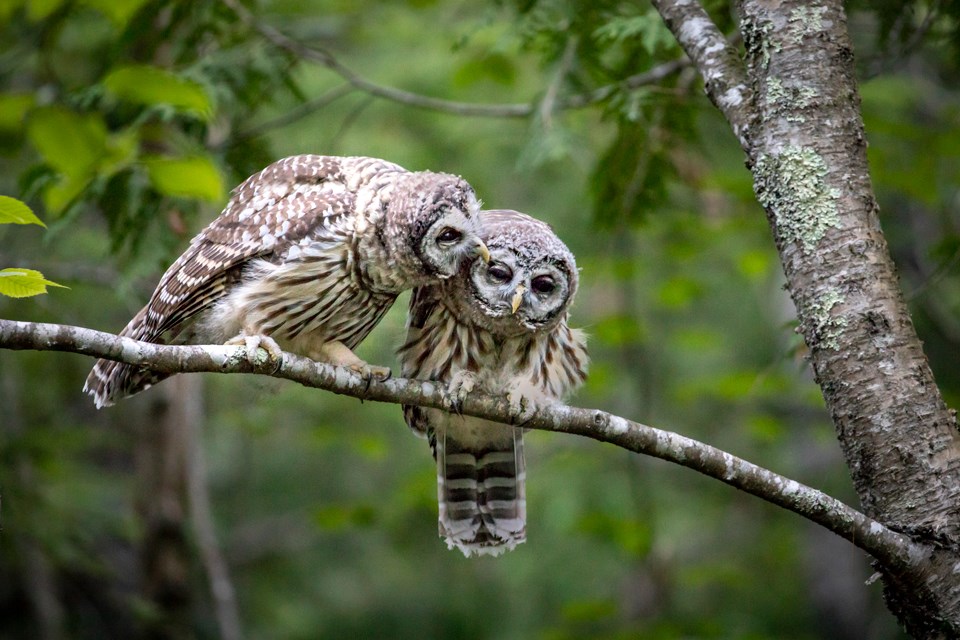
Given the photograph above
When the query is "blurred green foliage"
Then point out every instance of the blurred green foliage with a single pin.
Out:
(125, 123)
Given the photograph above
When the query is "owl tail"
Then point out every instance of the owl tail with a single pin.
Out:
(110, 381)
(483, 505)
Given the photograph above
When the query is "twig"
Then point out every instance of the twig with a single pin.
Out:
(549, 103)
(884, 61)
(298, 112)
(896, 551)
(511, 110)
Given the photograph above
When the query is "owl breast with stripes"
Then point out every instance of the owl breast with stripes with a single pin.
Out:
(500, 328)
(307, 256)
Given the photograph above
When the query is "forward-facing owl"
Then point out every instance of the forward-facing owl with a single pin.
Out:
(307, 256)
(499, 327)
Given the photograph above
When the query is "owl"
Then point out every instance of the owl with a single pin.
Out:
(499, 327)
(307, 256)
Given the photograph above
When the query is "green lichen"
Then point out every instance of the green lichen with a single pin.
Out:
(806, 20)
(756, 38)
(776, 94)
(789, 98)
(792, 186)
(827, 327)
(805, 96)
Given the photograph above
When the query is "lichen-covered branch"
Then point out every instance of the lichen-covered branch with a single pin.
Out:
(724, 76)
(890, 547)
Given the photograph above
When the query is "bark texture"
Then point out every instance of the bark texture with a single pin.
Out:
(893, 549)
(806, 147)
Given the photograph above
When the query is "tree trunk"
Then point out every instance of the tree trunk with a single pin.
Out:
(807, 152)
(38, 574)
(795, 110)
(165, 552)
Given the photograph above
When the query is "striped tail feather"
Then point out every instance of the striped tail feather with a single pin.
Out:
(482, 495)
(110, 381)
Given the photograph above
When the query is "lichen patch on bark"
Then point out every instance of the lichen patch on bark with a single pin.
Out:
(792, 186)
(806, 20)
(827, 326)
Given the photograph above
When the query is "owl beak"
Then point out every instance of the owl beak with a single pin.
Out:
(517, 298)
(483, 252)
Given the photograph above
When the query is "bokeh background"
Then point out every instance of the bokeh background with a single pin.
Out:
(124, 124)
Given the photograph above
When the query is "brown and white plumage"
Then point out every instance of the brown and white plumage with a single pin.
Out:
(308, 256)
(501, 328)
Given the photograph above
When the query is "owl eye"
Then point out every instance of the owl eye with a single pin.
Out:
(543, 284)
(449, 235)
(499, 273)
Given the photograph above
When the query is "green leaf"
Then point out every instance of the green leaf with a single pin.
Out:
(58, 195)
(118, 12)
(23, 283)
(7, 7)
(121, 151)
(70, 142)
(12, 211)
(13, 109)
(150, 86)
(37, 10)
(193, 177)
(647, 29)
(495, 67)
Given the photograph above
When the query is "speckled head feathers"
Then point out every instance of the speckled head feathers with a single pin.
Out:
(529, 283)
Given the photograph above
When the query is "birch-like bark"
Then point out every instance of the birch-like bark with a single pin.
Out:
(805, 145)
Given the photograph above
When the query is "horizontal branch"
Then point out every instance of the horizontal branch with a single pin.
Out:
(892, 549)
(510, 110)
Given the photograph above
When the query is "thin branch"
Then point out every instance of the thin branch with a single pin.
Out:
(324, 58)
(549, 103)
(191, 415)
(724, 75)
(896, 551)
(885, 61)
(298, 112)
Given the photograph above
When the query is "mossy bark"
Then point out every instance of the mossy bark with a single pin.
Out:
(807, 151)
(797, 117)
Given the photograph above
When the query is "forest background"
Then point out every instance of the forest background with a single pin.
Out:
(125, 124)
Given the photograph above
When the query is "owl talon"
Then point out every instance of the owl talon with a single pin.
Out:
(522, 407)
(371, 372)
(459, 388)
(255, 342)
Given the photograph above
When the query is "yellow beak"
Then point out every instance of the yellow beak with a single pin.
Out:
(517, 298)
(483, 252)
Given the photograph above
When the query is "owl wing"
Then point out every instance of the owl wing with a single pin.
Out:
(421, 353)
(290, 200)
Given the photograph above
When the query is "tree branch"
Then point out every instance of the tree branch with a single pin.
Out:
(723, 72)
(896, 551)
(512, 110)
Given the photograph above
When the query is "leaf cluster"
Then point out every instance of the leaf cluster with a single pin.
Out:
(14, 282)
(126, 108)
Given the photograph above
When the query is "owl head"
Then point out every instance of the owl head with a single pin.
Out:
(528, 283)
(437, 216)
